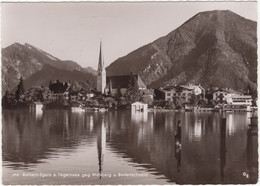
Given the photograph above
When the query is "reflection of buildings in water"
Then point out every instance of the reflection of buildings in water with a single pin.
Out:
(139, 116)
(91, 123)
(195, 132)
(66, 121)
(38, 114)
(101, 145)
(248, 118)
(230, 124)
(170, 120)
(150, 120)
(197, 128)
(145, 130)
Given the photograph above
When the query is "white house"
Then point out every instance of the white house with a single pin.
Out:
(184, 92)
(139, 107)
(225, 94)
(36, 106)
(245, 100)
(58, 91)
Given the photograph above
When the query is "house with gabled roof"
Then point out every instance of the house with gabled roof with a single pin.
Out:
(58, 91)
(184, 92)
(115, 83)
(224, 94)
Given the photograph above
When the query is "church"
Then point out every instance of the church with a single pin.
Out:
(112, 84)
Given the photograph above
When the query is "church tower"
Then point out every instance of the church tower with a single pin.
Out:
(101, 77)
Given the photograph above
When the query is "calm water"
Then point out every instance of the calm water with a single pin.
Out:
(115, 147)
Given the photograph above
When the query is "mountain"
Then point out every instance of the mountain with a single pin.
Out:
(49, 73)
(25, 60)
(213, 48)
(90, 70)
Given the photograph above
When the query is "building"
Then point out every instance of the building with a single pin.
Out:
(139, 107)
(240, 100)
(116, 83)
(111, 84)
(101, 77)
(224, 95)
(81, 95)
(38, 106)
(184, 92)
(58, 91)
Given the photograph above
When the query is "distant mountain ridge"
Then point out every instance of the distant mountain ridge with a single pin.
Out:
(51, 73)
(213, 48)
(26, 60)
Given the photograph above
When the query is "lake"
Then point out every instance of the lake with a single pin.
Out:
(117, 147)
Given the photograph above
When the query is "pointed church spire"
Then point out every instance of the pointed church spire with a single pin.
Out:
(101, 77)
(100, 60)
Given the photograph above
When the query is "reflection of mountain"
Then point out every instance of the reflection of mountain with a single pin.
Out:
(29, 140)
(148, 144)
(152, 146)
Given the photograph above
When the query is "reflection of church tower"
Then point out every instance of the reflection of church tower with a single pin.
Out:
(101, 146)
(101, 77)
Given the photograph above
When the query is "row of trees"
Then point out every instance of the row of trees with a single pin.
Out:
(22, 98)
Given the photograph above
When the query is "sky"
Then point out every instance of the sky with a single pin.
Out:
(72, 31)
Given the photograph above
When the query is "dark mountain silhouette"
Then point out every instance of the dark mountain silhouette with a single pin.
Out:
(50, 74)
(25, 60)
(213, 48)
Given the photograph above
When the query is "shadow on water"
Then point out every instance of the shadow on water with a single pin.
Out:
(200, 148)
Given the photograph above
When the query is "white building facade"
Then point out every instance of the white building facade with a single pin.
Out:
(184, 92)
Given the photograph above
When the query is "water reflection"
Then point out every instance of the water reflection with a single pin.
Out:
(223, 149)
(203, 149)
(101, 145)
(139, 116)
(252, 154)
(230, 124)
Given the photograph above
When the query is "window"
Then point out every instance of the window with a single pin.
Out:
(168, 94)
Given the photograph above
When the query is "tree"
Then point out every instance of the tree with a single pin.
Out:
(177, 102)
(252, 90)
(8, 100)
(203, 102)
(133, 93)
(194, 100)
(19, 94)
(118, 93)
(36, 93)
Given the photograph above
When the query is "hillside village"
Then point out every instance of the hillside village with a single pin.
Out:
(117, 92)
